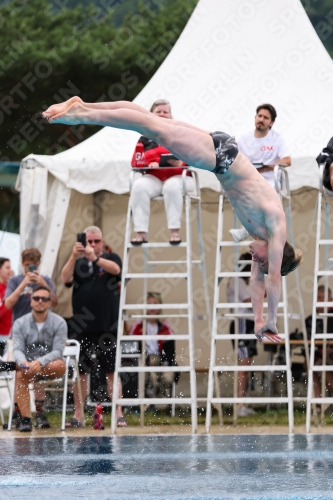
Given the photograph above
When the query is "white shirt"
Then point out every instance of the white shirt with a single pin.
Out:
(40, 325)
(152, 345)
(267, 150)
(243, 294)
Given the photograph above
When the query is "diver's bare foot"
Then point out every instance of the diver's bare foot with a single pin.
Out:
(60, 108)
(73, 115)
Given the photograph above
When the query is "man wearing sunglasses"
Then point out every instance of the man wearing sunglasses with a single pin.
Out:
(39, 338)
(95, 277)
(18, 298)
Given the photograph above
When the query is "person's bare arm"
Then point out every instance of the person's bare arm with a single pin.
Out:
(275, 255)
(263, 328)
(284, 162)
(257, 288)
(273, 286)
(108, 265)
(12, 299)
(68, 270)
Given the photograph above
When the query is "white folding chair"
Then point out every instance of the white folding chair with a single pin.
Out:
(71, 356)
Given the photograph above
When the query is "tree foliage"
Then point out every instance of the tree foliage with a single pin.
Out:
(57, 53)
(320, 13)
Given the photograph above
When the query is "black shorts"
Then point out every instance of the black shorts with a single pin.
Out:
(97, 348)
(226, 151)
(246, 348)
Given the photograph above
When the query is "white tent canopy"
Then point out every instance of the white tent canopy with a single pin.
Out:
(10, 248)
(230, 57)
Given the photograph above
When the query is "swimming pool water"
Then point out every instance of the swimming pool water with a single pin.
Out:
(167, 467)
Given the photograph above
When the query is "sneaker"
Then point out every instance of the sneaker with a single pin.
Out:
(41, 421)
(239, 234)
(16, 419)
(25, 425)
(250, 411)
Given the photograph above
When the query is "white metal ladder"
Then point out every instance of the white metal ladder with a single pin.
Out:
(220, 306)
(322, 243)
(176, 310)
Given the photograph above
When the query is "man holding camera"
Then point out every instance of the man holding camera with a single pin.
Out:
(20, 288)
(39, 338)
(95, 277)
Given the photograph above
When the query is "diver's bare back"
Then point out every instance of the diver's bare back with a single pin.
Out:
(254, 200)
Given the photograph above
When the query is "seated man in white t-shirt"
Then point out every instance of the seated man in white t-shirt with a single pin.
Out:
(264, 146)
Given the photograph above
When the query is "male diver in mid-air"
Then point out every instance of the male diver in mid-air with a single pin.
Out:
(255, 202)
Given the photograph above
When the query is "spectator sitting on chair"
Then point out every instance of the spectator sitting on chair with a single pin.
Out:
(326, 156)
(18, 295)
(159, 352)
(5, 314)
(318, 360)
(165, 181)
(264, 146)
(246, 348)
(39, 338)
(95, 275)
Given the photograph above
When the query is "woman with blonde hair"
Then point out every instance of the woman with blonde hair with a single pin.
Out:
(159, 181)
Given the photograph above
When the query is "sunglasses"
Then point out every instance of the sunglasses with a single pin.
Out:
(37, 298)
(94, 241)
